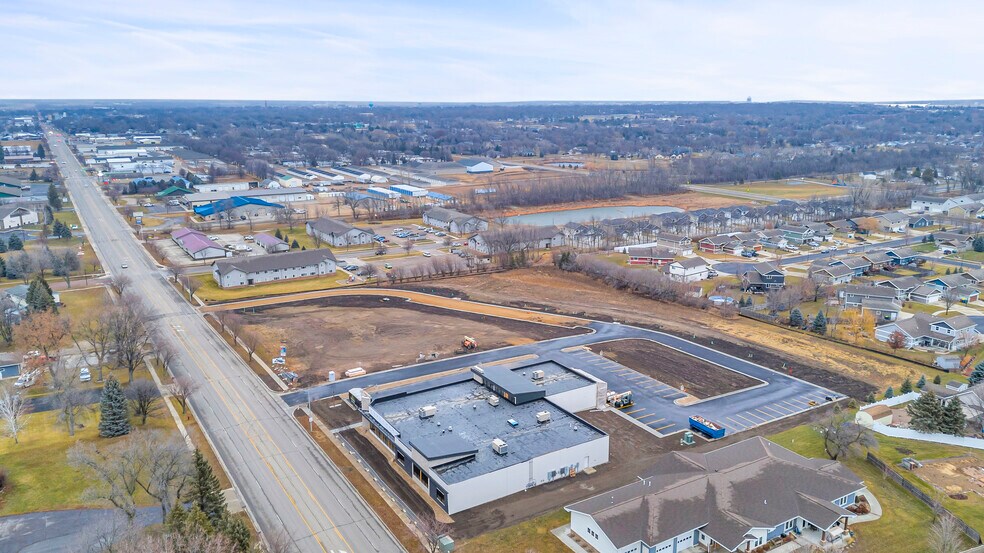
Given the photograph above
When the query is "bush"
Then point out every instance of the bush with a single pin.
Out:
(3, 478)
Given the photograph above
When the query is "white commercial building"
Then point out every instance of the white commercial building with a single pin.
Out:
(247, 271)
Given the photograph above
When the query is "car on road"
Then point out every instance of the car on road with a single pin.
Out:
(441, 234)
(456, 244)
(850, 251)
(124, 266)
(825, 250)
(387, 265)
(426, 254)
(148, 204)
(84, 375)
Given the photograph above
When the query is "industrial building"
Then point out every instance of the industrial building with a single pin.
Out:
(472, 438)
(197, 244)
(382, 193)
(409, 190)
(275, 195)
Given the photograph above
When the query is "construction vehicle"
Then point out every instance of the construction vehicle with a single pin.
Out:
(619, 400)
(467, 344)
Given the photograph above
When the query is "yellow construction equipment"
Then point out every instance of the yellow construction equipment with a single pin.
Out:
(469, 343)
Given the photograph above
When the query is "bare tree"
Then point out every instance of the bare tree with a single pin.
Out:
(433, 530)
(119, 284)
(9, 316)
(131, 335)
(251, 341)
(370, 271)
(98, 334)
(235, 325)
(841, 435)
(145, 398)
(182, 389)
(42, 331)
(13, 411)
(945, 535)
(408, 246)
(950, 297)
(70, 400)
(167, 466)
(164, 351)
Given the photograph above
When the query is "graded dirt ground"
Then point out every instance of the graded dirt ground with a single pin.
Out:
(341, 333)
(682, 200)
(685, 372)
(839, 367)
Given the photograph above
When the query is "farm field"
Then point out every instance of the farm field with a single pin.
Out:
(341, 333)
(784, 189)
(694, 376)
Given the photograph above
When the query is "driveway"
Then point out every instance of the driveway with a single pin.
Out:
(58, 531)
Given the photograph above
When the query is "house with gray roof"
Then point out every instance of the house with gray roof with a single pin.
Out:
(453, 221)
(270, 243)
(690, 269)
(932, 332)
(735, 498)
(14, 216)
(336, 232)
(830, 274)
(260, 269)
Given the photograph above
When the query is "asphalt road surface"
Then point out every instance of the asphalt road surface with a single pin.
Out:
(71, 530)
(287, 484)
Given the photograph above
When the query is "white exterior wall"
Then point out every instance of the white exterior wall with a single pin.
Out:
(491, 486)
(581, 523)
(572, 401)
(240, 278)
(209, 253)
(222, 186)
(688, 275)
(15, 220)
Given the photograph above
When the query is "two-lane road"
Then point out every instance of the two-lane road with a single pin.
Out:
(285, 480)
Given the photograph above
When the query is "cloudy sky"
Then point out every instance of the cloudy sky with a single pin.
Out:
(497, 50)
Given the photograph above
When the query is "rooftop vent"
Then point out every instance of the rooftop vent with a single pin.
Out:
(428, 411)
(538, 374)
(499, 446)
(493, 400)
(543, 416)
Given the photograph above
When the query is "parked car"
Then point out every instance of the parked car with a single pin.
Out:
(456, 244)
(248, 238)
(748, 253)
(84, 375)
(387, 265)
(26, 380)
(213, 237)
(148, 204)
(351, 268)
(426, 254)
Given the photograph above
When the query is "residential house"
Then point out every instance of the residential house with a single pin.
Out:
(270, 243)
(926, 294)
(641, 255)
(843, 227)
(920, 221)
(675, 243)
(901, 285)
(821, 231)
(690, 269)
(953, 241)
(197, 244)
(762, 277)
(773, 238)
(928, 204)
(973, 276)
(928, 331)
(734, 498)
(18, 296)
(15, 216)
(831, 274)
(855, 263)
(966, 211)
(902, 255)
(853, 295)
(715, 244)
(337, 233)
(892, 221)
(956, 284)
(260, 269)
(515, 239)
(797, 234)
(883, 311)
(878, 259)
(454, 221)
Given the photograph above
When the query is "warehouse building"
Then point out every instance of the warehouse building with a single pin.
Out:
(247, 271)
(197, 245)
(469, 439)
(409, 190)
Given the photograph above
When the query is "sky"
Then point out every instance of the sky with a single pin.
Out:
(492, 51)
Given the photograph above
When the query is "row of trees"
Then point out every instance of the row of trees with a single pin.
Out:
(650, 284)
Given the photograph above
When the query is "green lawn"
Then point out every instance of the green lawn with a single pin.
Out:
(970, 255)
(37, 469)
(905, 520)
(84, 304)
(927, 247)
(210, 291)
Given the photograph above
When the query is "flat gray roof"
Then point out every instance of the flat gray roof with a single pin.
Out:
(464, 416)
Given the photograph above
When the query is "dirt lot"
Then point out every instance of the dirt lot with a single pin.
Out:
(366, 331)
(695, 376)
(683, 200)
(956, 475)
(839, 367)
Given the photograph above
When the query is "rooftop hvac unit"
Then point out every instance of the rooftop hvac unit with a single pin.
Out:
(428, 411)
(543, 416)
(493, 400)
(499, 446)
(538, 375)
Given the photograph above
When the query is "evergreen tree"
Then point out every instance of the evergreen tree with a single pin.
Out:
(40, 151)
(795, 318)
(1, 155)
(279, 235)
(906, 386)
(3, 267)
(977, 375)
(175, 520)
(114, 414)
(922, 382)
(890, 392)
(15, 243)
(205, 491)
(39, 296)
(870, 398)
(953, 421)
(57, 228)
(926, 413)
(3, 246)
(937, 379)
(820, 323)
(66, 232)
(34, 175)
(236, 530)
(947, 270)
(54, 198)
(294, 245)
